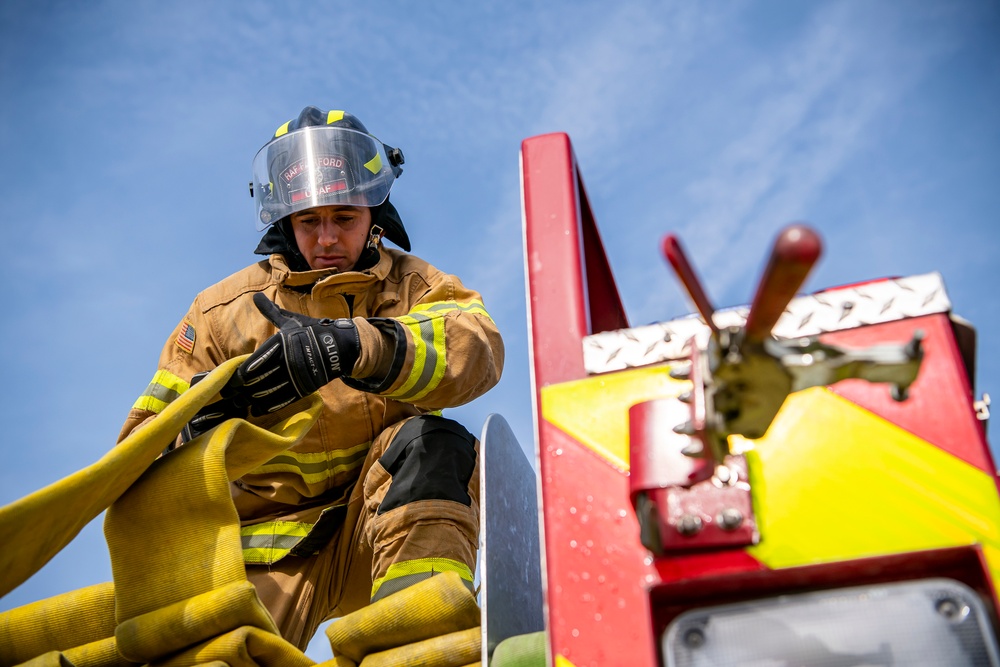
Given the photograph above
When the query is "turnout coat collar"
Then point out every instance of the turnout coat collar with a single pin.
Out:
(285, 276)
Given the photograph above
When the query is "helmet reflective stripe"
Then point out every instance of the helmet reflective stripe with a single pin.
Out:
(408, 572)
(331, 118)
(161, 392)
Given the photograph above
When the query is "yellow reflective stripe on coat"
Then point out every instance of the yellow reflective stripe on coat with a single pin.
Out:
(475, 307)
(161, 392)
(266, 543)
(315, 467)
(429, 355)
(426, 325)
(417, 570)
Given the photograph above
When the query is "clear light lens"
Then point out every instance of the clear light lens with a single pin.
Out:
(934, 622)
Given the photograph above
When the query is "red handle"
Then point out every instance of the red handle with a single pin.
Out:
(795, 252)
(675, 255)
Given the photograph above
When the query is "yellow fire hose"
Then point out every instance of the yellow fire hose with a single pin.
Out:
(433, 622)
(180, 596)
(44, 522)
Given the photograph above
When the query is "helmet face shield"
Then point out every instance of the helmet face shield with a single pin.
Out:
(319, 166)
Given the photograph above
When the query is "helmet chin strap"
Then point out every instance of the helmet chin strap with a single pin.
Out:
(374, 236)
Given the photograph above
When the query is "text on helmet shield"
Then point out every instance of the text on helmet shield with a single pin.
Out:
(316, 177)
(324, 189)
(303, 165)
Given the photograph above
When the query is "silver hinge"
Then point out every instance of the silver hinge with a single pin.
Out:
(982, 407)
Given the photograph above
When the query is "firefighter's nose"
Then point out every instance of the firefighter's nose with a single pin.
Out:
(327, 234)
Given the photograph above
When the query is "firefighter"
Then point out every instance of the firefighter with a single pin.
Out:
(383, 491)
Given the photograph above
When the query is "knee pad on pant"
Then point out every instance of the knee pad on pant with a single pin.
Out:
(431, 458)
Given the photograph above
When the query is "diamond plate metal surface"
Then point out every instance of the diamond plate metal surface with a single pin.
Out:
(831, 310)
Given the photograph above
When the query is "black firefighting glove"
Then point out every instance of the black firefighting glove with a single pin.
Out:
(213, 414)
(304, 355)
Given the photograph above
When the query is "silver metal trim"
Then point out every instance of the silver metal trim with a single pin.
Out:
(835, 309)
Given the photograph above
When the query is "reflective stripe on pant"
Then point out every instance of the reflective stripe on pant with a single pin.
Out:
(424, 514)
(408, 572)
(413, 534)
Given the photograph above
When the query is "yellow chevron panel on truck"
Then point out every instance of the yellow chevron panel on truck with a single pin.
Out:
(832, 481)
(594, 411)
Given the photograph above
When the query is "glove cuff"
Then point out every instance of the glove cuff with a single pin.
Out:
(377, 349)
(394, 338)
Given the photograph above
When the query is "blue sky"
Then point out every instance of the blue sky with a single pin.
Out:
(128, 129)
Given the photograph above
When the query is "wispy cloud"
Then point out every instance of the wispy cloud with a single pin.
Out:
(809, 108)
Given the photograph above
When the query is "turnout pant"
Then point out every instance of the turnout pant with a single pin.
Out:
(413, 513)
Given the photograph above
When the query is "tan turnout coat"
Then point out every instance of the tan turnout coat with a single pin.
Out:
(453, 354)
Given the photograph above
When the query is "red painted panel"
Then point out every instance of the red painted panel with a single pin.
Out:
(939, 408)
(597, 571)
(606, 310)
(594, 566)
(572, 291)
(715, 564)
(557, 309)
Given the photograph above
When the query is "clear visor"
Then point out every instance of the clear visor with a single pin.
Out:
(319, 166)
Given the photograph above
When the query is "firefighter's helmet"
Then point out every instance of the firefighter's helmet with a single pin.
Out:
(324, 158)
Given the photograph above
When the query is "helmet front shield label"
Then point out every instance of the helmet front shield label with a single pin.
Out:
(307, 179)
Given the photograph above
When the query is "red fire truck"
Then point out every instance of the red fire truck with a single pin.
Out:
(805, 481)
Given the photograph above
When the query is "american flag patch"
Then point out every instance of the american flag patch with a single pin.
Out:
(185, 339)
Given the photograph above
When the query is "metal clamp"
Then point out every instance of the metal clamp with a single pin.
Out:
(740, 377)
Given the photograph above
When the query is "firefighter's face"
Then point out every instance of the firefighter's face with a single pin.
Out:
(332, 237)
